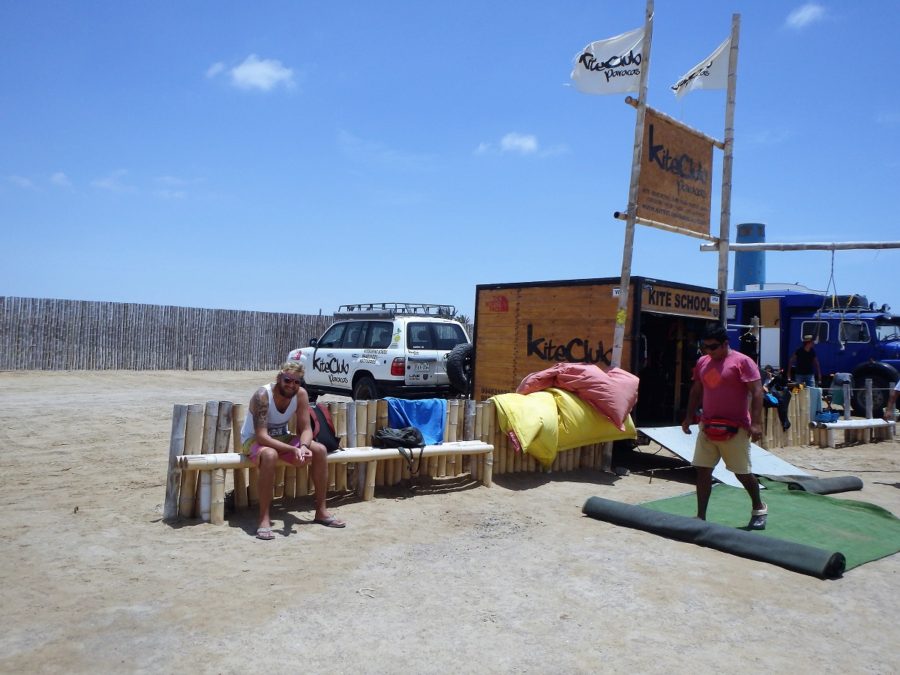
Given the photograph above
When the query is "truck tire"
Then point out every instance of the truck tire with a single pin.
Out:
(880, 394)
(365, 389)
(459, 367)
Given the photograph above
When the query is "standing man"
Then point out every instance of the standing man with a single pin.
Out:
(728, 386)
(805, 364)
(265, 439)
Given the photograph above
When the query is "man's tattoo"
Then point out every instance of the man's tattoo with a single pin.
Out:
(259, 408)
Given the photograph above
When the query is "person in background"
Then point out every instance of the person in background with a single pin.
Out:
(265, 439)
(804, 364)
(728, 387)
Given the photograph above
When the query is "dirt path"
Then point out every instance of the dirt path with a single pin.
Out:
(454, 577)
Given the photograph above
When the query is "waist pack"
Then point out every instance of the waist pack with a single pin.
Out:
(827, 416)
(719, 430)
(406, 437)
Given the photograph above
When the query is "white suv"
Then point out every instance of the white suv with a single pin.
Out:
(383, 349)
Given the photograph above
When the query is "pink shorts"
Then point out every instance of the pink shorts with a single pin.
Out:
(251, 448)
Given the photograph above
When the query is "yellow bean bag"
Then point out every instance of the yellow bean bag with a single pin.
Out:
(533, 418)
(548, 421)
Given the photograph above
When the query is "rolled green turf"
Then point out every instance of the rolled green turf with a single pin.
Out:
(861, 531)
(790, 555)
(820, 486)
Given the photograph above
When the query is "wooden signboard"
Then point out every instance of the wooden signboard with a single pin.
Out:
(662, 299)
(525, 328)
(675, 185)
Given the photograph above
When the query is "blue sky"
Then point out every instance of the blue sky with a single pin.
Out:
(294, 156)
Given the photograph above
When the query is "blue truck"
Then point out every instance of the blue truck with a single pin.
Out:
(851, 334)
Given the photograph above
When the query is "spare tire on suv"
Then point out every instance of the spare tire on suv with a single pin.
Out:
(459, 367)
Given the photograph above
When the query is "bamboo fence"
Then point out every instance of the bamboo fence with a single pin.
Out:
(45, 334)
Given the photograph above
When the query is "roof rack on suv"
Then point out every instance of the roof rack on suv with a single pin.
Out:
(392, 309)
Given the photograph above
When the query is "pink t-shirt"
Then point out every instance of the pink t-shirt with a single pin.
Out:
(725, 393)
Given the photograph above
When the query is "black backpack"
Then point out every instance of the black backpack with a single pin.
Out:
(407, 437)
(323, 428)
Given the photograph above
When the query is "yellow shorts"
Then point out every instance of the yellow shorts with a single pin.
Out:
(735, 451)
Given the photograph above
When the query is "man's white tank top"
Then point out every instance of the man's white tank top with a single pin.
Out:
(278, 421)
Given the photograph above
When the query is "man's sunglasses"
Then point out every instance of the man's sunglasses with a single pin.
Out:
(290, 380)
(711, 346)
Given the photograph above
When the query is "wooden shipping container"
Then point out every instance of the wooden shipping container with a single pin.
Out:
(521, 328)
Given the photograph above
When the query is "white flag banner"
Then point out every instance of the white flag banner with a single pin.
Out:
(710, 73)
(611, 66)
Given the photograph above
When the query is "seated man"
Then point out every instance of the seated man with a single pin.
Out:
(265, 439)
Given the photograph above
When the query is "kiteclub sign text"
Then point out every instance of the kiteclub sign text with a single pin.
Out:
(675, 185)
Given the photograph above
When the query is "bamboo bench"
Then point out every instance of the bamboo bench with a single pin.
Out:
(368, 457)
(205, 443)
(855, 431)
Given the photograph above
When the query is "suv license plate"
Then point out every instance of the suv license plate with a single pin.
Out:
(421, 367)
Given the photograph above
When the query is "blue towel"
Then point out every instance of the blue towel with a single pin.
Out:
(427, 415)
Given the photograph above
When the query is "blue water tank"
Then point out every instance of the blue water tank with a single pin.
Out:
(750, 266)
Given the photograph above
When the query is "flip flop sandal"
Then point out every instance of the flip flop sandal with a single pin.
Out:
(331, 521)
(265, 533)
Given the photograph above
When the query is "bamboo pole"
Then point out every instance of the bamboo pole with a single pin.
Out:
(238, 415)
(637, 153)
(193, 444)
(809, 246)
(451, 425)
(366, 419)
(210, 418)
(222, 443)
(394, 471)
(372, 418)
(369, 492)
(728, 161)
(478, 434)
(176, 449)
(490, 424)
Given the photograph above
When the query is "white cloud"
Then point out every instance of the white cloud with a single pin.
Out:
(524, 144)
(113, 182)
(263, 74)
(520, 144)
(805, 15)
(59, 179)
(21, 182)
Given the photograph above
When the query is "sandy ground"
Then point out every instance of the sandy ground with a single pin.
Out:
(455, 576)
